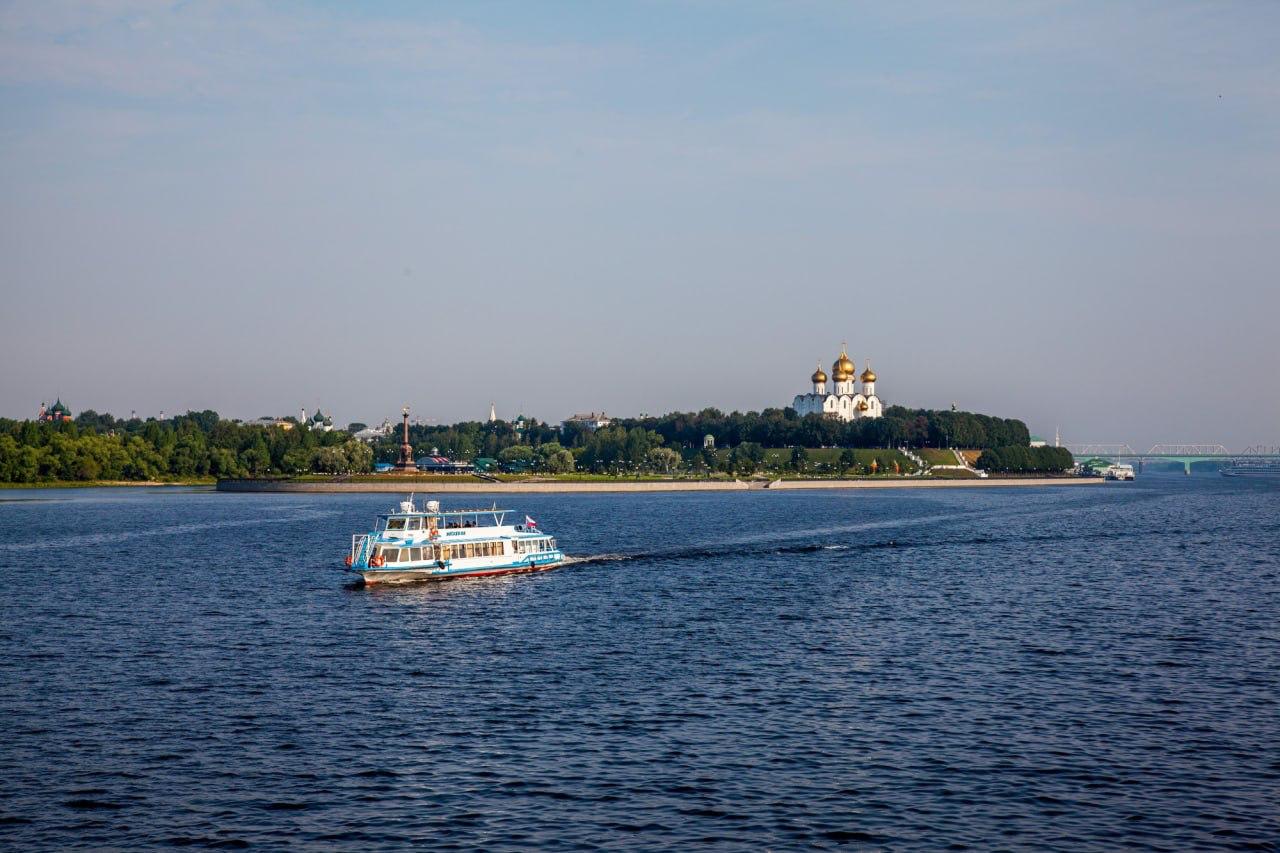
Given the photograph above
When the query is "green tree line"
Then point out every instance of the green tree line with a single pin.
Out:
(899, 427)
(194, 445)
(202, 444)
(1025, 460)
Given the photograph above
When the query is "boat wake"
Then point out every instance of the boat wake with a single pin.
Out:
(570, 560)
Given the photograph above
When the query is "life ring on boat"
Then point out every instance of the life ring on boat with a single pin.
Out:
(377, 561)
(350, 559)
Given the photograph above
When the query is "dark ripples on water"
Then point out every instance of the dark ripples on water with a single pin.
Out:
(1074, 669)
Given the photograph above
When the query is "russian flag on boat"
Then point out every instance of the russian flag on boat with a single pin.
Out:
(529, 522)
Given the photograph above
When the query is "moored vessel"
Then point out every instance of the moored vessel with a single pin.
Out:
(412, 544)
(1245, 467)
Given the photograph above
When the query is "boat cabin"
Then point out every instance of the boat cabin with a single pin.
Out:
(453, 520)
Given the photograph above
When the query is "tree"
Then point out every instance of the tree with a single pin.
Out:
(517, 453)
(555, 458)
(329, 460)
(256, 457)
(662, 459)
(747, 457)
(799, 458)
(359, 456)
(560, 462)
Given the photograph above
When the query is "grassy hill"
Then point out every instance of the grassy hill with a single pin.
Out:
(937, 456)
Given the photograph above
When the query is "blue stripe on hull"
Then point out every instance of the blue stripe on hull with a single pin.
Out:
(427, 571)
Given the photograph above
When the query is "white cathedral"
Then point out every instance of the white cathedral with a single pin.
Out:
(844, 401)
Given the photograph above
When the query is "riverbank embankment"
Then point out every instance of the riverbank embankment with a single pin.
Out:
(550, 487)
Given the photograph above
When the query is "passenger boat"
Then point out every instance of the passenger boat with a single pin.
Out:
(1246, 467)
(1119, 471)
(411, 544)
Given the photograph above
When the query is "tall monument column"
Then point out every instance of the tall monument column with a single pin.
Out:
(406, 463)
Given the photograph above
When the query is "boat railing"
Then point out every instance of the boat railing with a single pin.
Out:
(359, 548)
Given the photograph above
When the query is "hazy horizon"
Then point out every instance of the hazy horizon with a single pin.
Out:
(1066, 214)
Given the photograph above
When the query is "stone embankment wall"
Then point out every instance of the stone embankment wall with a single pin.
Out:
(479, 487)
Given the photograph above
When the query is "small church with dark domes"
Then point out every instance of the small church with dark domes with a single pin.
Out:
(57, 414)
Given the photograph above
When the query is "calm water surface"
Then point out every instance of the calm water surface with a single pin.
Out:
(1084, 668)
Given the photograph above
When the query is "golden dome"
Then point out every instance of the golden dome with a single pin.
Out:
(843, 368)
(868, 375)
(863, 406)
(819, 376)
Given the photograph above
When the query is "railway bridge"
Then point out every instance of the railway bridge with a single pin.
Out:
(1187, 454)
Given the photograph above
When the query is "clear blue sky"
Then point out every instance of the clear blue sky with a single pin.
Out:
(1064, 212)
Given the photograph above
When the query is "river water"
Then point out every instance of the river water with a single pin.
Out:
(1082, 668)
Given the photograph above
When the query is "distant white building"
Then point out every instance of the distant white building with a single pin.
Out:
(844, 400)
(591, 421)
(371, 434)
(270, 422)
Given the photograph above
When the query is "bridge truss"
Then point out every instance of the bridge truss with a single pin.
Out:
(1188, 450)
(1087, 450)
(1157, 451)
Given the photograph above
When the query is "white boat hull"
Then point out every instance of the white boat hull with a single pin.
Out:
(377, 576)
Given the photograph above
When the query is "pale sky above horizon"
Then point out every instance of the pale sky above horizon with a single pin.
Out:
(1067, 213)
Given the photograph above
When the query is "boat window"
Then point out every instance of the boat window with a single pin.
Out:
(553, 544)
(391, 555)
(395, 524)
(414, 524)
(415, 555)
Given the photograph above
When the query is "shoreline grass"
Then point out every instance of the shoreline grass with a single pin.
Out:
(110, 484)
